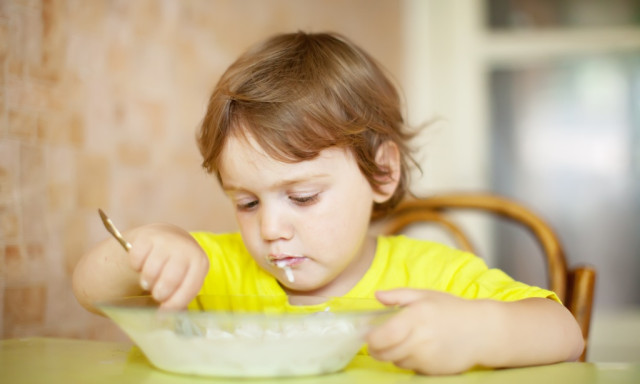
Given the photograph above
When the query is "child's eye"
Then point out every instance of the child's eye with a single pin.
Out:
(304, 200)
(247, 206)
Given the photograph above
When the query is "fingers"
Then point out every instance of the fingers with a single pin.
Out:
(170, 277)
(191, 286)
(430, 334)
(148, 263)
(400, 297)
(406, 362)
(397, 330)
(395, 340)
(140, 250)
(172, 271)
(393, 332)
(174, 281)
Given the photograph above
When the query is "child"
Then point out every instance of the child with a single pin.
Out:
(304, 133)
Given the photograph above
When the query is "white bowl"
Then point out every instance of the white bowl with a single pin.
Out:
(249, 336)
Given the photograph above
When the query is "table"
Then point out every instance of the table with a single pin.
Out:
(53, 360)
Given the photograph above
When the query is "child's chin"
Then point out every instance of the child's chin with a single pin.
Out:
(298, 287)
(293, 288)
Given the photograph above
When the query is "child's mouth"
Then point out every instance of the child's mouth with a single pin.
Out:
(287, 261)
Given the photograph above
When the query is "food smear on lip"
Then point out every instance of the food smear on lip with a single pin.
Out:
(282, 264)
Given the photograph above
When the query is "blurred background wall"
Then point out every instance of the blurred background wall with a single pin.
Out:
(100, 101)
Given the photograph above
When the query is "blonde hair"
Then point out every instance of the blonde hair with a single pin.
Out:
(299, 93)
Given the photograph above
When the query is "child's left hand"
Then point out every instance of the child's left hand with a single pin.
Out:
(435, 333)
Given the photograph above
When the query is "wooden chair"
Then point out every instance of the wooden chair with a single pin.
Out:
(575, 287)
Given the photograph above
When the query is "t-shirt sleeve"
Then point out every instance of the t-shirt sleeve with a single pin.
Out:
(471, 278)
(431, 265)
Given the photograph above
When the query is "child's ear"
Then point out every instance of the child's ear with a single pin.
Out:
(387, 157)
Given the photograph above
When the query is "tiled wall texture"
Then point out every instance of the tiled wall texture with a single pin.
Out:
(99, 104)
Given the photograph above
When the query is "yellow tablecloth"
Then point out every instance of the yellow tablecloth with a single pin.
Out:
(51, 360)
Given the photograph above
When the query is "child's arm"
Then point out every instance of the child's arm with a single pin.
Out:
(438, 333)
(165, 259)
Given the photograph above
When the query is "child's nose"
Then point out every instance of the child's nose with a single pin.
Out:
(274, 224)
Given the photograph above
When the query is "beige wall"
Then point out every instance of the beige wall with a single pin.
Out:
(99, 103)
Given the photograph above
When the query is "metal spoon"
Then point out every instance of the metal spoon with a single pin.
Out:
(114, 231)
(184, 326)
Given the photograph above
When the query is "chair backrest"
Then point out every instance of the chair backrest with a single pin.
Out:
(574, 286)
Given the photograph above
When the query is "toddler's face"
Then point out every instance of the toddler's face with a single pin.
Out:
(312, 216)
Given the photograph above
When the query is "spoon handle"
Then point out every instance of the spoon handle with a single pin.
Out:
(114, 231)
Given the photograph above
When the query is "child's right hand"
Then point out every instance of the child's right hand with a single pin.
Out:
(171, 264)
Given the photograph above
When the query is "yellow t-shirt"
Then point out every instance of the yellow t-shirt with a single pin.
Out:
(400, 261)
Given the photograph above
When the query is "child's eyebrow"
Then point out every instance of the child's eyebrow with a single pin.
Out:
(280, 184)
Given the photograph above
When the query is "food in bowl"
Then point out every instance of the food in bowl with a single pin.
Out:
(249, 336)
